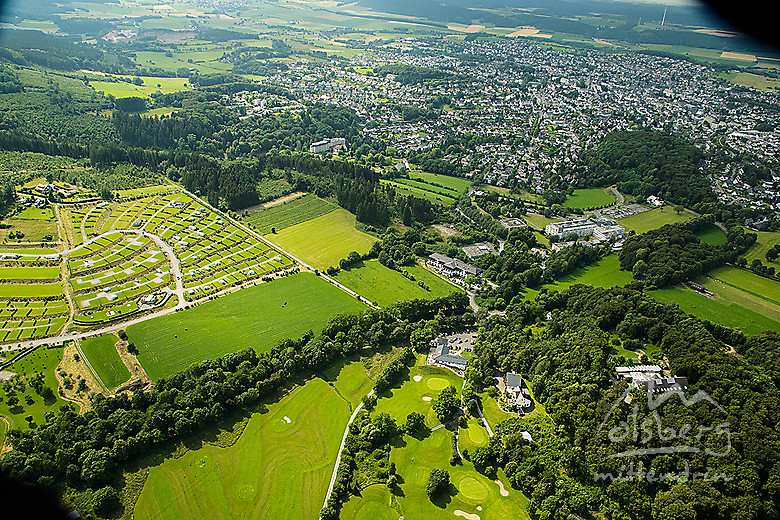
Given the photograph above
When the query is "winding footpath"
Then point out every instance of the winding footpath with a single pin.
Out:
(341, 448)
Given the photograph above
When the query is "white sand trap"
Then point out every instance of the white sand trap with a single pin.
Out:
(504, 492)
(479, 508)
(467, 516)
(288, 421)
(418, 377)
(427, 398)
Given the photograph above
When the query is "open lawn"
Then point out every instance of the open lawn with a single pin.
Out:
(539, 221)
(590, 198)
(604, 273)
(653, 219)
(325, 240)
(289, 213)
(104, 358)
(384, 286)
(712, 235)
(279, 468)
(121, 89)
(43, 361)
(33, 229)
(256, 317)
(765, 241)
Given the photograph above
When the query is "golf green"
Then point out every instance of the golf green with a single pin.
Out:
(472, 488)
(437, 383)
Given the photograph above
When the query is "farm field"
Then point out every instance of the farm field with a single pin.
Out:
(747, 79)
(289, 213)
(40, 363)
(384, 286)
(590, 198)
(765, 241)
(712, 235)
(255, 317)
(103, 357)
(324, 240)
(280, 466)
(653, 219)
(755, 291)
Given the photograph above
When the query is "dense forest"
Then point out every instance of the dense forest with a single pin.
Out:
(673, 253)
(645, 163)
(570, 367)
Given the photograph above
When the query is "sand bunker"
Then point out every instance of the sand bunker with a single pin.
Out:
(504, 492)
(418, 377)
(427, 398)
(287, 419)
(467, 516)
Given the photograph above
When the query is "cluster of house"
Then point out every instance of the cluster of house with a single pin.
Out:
(651, 378)
(326, 145)
(599, 229)
(453, 267)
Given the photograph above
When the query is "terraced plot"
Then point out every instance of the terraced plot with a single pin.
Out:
(288, 214)
(125, 266)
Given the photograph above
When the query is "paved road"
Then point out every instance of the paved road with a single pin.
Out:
(618, 195)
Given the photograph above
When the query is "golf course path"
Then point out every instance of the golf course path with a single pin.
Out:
(341, 448)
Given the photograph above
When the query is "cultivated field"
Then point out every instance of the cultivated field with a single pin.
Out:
(280, 467)
(324, 240)
(104, 358)
(289, 213)
(258, 317)
(384, 286)
(653, 219)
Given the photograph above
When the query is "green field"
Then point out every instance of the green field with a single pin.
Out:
(741, 300)
(253, 317)
(653, 219)
(384, 286)
(103, 357)
(41, 361)
(39, 290)
(34, 229)
(456, 184)
(325, 240)
(590, 198)
(29, 273)
(539, 221)
(419, 190)
(121, 89)
(277, 469)
(712, 235)
(717, 310)
(288, 214)
(604, 273)
(765, 241)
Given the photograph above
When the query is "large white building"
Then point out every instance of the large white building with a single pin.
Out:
(327, 145)
(600, 229)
